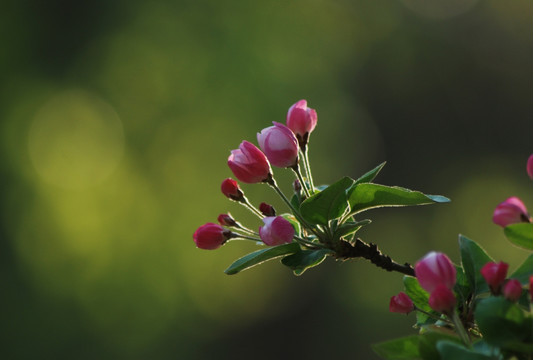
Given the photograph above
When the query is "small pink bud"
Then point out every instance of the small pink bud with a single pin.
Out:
(301, 119)
(442, 299)
(297, 186)
(231, 189)
(434, 269)
(530, 166)
(279, 145)
(226, 220)
(249, 164)
(401, 303)
(512, 290)
(266, 209)
(510, 211)
(276, 231)
(495, 274)
(210, 236)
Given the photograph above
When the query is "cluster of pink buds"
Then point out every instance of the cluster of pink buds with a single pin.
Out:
(281, 146)
(495, 275)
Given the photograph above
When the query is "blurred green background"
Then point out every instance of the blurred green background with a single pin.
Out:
(117, 118)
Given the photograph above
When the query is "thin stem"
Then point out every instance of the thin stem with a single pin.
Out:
(296, 213)
(460, 329)
(252, 208)
(245, 229)
(433, 316)
(244, 237)
(296, 170)
(307, 242)
(307, 167)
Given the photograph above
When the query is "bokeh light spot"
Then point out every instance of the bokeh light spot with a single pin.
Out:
(76, 140)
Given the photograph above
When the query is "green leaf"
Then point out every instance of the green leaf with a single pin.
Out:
(260, 256)
(331, 203)
(371, 175)
(368, 196)
(429, 338)
(520, 234)
(454, 351)
(462, 286)
(473, 257)
(419, 297)
(501, 321)
(350, 227)
(305, 259)
(524, 271)
(405, 348)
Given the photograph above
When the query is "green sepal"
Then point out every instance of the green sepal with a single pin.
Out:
(405, 348)
(305, 259)
(331, 203)
(473, 257)
(520, 234)
(260, 256)
(501, 322)
(367, 196)
(371, 175)
(524, 271)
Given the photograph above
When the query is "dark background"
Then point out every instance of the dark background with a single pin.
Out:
(117, 118)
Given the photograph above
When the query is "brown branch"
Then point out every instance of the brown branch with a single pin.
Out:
(346, 250)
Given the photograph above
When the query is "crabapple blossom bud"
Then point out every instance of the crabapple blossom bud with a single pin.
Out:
(279, 145)
(434, 269)
(249, 164)
(211, 236)
(231, 189)
(512, 290)
(226, 220)
(266, 209)
(530, 166)
(510, 211)
(276, 231)
(301, 120)
(401, 303)
(442, 299)
(495, 274)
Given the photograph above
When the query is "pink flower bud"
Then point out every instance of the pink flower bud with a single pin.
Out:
(231, 189)
(434, 269)
(226, 220)
(301, 119)
(495, 274)
(442, 299)
(297, 186)
(276, 231)
(512, 290)
(401, 303)
(249, 164)
(279, 145)
(530, 166)
(511, 211)
(211, 236)
(266, 209)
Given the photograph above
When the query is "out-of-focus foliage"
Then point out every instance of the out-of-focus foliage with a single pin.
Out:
(116, 121)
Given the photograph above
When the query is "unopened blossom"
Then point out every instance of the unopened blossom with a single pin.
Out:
(226, 220)
(249, 164)
(442, 299)
(230, 188)
(301, 120)
(267, 209)
(401, 303)
(512, 290)
(495, 274)
(433, 269)
(211, 236)
(279, 145)
(276, 231)
(510, 211)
